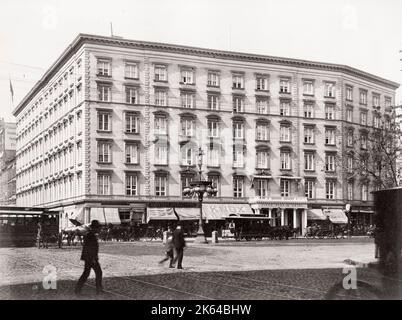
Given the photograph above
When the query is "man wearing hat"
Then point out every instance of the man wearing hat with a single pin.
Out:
(178, 243)
(89, 255)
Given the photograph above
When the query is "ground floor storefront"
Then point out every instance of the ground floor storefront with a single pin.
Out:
(296, 213)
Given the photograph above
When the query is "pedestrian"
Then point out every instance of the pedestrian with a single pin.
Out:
(169, 252)
(178, 243)
(89, 255)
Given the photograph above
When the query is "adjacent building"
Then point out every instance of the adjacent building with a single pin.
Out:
(114, 127)
(7, 163)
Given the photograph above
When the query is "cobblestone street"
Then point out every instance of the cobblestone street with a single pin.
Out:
(294, 269)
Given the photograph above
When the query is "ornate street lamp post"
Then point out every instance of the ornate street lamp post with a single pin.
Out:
(347, 211)
(200, 188)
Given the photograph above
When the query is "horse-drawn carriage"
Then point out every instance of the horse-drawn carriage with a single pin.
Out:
(257, 228)
(326, 229)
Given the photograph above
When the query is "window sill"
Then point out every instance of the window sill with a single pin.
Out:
(161, 164)
(131, 163)
(328, 97)
(308, 94)
(131, 78)
(104, 131)
(260, 140)
(286, 170)
(213, 166)
(284, 92)
(262, 90)
(309, 143)
(187, 84)
(131, 133)
(213, 86)
(103, 76)
(309, 171)
(330, 145)
(235, 88)
(105, 163)
(160, 81)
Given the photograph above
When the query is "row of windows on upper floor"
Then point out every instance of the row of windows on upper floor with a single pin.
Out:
(70, 186)
(262, 106)
(187, 77)
(56, 89)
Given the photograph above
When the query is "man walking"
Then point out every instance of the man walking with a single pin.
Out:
(179, 243)
(89, 255)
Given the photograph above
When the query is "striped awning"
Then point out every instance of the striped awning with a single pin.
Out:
(220, 211)
(160, 214)
(336, 215)
(315, 214)
(106, 215)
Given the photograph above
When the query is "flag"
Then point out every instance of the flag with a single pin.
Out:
(11, 91)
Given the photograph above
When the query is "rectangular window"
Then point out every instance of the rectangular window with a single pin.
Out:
(213, 157)
(213, 78)
(103, 184)
(388, 102)
(350, 190)
(187, 100)
(350, 164)
(284, 108)
(187, 76)
(215, 183)
(364, 192)
(349, 115)
(131, 153)
(329, 111)
(363, 118)
(186, 181)
(350, 138)
(262, 159)
(308, 87)
(284, 86)
(238, 81)
(261, 83)
(131, 184)
(213, 129)
(131, 95)
(187, 156)
(330, 189)
(285, 160)
(330, 162)
(104, 152)
(308, 110)
(132, 123)
(238, 187)
(376, 100)
(160, 125)
(363, 97)
(363, 141)
(376, 121)
(285, 134)
(104, 68)
(238, 104)
(104, 121)
(213, 102)
(160, 185)
(187, 127)
(285, 188)
(309, 189)
(309, 135)
(238, 130)
(349, 93)
(329, 89)
(238, 156)
(330, 136)
(104, 93)
(161, 153)
(261, 188)
(160, 98)
(262, 132)
(309, 161)
(131, 70)
(262, 106)
(160, 73)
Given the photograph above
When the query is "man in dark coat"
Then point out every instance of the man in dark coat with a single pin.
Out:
(89, 255)
(179, 243)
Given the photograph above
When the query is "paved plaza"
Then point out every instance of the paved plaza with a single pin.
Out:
(293, 269)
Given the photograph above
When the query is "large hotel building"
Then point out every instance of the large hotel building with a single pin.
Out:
(114, 127)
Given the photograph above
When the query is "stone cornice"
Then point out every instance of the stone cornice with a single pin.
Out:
(82, 39)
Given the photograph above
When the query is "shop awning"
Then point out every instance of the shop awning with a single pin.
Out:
(315, 214)
(105, 215)
(112, 215)
(188, 213)
(160, 214)
(219, 211)
(335, 215)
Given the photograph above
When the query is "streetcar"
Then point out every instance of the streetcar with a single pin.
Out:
(19, 227)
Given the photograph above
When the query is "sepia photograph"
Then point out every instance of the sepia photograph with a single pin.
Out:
(178, 152)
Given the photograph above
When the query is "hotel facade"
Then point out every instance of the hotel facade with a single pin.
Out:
(114, 127)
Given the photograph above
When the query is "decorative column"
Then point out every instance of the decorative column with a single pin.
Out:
(282, 217)
(294, 218)
(304, 222)
(257, 211)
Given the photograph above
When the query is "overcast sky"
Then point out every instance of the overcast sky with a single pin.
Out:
(365, 34)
